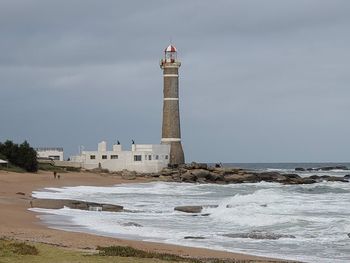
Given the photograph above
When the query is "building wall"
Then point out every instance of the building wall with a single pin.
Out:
(151, 158)
(53, 153)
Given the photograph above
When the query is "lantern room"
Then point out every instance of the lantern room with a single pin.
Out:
(170, 54)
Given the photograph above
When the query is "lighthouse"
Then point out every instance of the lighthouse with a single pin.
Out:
(171, 133)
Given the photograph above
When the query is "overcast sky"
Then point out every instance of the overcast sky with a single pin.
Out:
(260, 81)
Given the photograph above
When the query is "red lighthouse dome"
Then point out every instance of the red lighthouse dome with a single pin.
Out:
(170, 54)
(170, 48)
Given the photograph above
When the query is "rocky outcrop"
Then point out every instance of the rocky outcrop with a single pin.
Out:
(189, 209)
(201, 173)
(259, 235)
(325, 168)
(73, 204)
(128, 175)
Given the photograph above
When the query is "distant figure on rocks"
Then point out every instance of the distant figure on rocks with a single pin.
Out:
(54, 174)
(218, 165)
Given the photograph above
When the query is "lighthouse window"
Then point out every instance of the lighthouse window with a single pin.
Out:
(137, 158)
(104, 157)
(114, 156)
(92, 157)
(157, 157)
(150, 157)
(166, 157)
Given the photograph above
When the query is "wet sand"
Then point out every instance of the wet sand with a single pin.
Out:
(17, 222)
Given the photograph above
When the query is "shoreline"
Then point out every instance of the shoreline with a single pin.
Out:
(18, 223)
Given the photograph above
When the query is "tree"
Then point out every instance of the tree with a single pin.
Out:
(21, 155)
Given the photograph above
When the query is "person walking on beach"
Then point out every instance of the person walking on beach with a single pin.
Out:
(54, 174)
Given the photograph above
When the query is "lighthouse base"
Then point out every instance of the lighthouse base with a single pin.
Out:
(176, 153)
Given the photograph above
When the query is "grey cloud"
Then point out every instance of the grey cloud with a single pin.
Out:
(260, 80)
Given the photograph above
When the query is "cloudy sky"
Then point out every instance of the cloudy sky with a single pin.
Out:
(261, 81)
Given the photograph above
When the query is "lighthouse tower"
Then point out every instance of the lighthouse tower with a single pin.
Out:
(171, 133)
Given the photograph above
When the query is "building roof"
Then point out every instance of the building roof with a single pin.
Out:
(170, 48)
(3, 161)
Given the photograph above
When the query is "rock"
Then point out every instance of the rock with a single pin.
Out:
(193, 237)
(73, 204)
(337, 179)
(188, 177)
(128, 175)
(241, 178)
(201, 173)
(349, 235)
(132, 224)
(20, 193)
(291, 176)
(300, 169)
(272, 177)
(314, 177)
(195, 165)
(347, 176)
(259, 235)
(329, 168)
(301, 181)
(189, 209)
(111, 208)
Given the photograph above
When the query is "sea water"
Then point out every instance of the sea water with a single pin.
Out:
(318, 215)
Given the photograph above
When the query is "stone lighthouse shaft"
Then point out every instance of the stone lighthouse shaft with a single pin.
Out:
(171, 133)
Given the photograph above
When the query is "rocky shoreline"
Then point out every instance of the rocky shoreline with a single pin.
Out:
(202, 173)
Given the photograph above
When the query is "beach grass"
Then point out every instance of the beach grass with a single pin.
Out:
(17, 252)
(12, 168)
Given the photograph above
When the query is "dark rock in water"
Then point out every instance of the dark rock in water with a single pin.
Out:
(132, 224)
(301, 181)
(189, 209)
(259, 235)
(330, 168)
(264, 205)
(310, 169)
(347, 176)
(270, 176)
(337, 179)
(194, 237)
(241, 178)
(74, 204)
(300, 169)
(349, 235)
(314, 177)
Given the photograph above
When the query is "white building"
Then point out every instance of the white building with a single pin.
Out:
(51, 153)
(145, 158)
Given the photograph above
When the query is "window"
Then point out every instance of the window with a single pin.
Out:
(157, 157)
(114, 156)
(137, 158)
(166, 157)
(92, 157)
(150, 157)
(104, 157)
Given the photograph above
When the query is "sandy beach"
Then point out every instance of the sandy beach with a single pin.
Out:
(17, 222)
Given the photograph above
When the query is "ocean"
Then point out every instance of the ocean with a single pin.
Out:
(317, 215)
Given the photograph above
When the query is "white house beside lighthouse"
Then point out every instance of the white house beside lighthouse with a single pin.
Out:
(146, 158)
